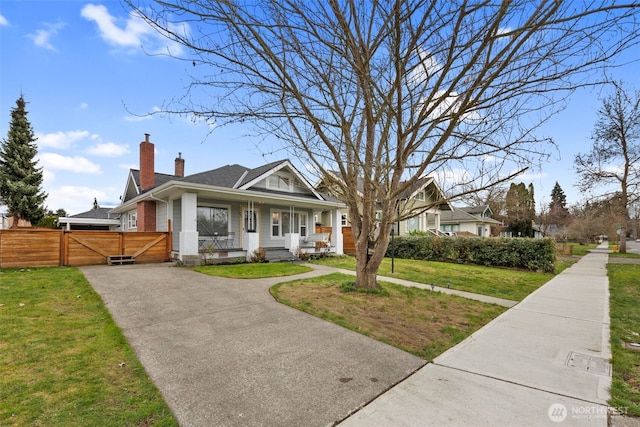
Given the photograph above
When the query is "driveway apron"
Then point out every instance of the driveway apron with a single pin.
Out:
(223, 352)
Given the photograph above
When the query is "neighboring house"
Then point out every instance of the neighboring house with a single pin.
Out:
(425, 197)
(232, 210)
(95, 219)
(470, 221)
(537, 232)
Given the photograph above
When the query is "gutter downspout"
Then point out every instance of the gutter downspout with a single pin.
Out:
(152, 197)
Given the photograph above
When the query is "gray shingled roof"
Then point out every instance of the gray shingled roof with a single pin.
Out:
(99, 213)
(225, 176)
(477, 210)
(255, 173)
(459, 215)
(160, 178)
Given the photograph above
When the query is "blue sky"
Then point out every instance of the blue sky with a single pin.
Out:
(87, 80)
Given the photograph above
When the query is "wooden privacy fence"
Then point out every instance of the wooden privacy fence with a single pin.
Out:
(44, 247)
(348, 244)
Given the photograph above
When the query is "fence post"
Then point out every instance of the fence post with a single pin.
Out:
(121, 243)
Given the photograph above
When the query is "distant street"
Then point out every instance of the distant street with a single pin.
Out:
(633, 247)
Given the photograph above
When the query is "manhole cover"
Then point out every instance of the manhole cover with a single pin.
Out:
(597, 365)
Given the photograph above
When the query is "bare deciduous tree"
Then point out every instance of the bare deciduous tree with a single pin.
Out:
(613, 164)
(390, 92)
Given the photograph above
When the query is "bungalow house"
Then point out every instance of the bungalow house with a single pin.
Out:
(229, 211)
(425, 198)
(471, 221)
(94, 219)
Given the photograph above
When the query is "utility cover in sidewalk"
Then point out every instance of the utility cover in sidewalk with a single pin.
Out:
(596, 365)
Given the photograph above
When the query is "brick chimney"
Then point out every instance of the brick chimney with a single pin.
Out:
(147, 164)
(147, 208)
(179, 166)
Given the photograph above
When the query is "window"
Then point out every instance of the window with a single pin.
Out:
(132, 220)
(213, 220)
(275, 223)
(413, 224)
(344, 220)
(303, 225)
(450, 227)
(250, 221)
(281, 223)
(420, 196)
(279, 182)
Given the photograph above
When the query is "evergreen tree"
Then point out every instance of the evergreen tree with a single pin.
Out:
(520, 207)
(558, 212)
(20, 178)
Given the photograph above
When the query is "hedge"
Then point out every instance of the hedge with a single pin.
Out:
(529, 254)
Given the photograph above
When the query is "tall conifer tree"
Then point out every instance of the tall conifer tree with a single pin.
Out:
(20, 178)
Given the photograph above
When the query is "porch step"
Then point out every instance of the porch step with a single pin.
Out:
(280, 255)
(120, 259)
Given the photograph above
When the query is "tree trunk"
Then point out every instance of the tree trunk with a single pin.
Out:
(622, 247)
(16, 220)
(368, 261)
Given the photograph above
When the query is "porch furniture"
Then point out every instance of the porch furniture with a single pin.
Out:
(319, 240)
(216, 242)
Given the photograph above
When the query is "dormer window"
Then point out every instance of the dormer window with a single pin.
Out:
(280, 182)
(420, 196)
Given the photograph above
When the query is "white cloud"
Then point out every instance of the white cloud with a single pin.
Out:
(61, 140)
(426, 67)
(84, 106)
(42, 37)
(74, 199)
(3, 21)
(109, 149)
(132, 33)
(76, 164)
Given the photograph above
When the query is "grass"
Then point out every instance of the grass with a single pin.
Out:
(624, 288)
(579, 249)
(253, 270)
(513, 285)
(625, 255)
(421, 322)
(63, 361)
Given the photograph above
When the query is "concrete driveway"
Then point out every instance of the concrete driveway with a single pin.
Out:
(224, 353)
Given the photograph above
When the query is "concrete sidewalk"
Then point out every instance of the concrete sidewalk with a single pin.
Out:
(543, 362)
(223, 352)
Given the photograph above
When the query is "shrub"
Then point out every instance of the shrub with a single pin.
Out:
(530, 254)
(259, 255)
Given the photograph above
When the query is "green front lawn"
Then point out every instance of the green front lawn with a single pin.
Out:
(63, 360)
(624, 288)
(496, 282)
(419, 321)
(253, 270)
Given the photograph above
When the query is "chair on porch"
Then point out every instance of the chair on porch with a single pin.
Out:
(230, 240)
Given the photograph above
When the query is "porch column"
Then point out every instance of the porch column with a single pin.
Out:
(437, 220)
(336, 231)
(189, 232)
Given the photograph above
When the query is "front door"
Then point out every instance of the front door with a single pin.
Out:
(250, 223)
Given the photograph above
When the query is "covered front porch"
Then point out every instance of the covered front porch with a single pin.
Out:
(214, 227)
